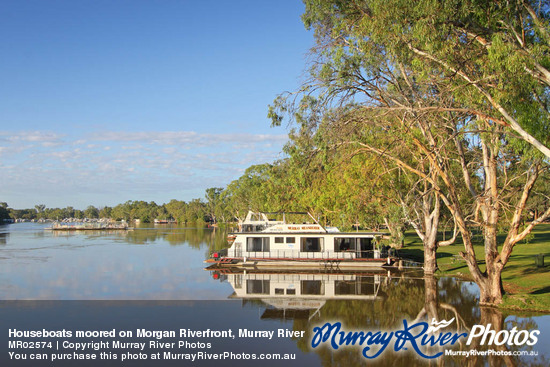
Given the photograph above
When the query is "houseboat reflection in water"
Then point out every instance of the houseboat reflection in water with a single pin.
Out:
(301, 295)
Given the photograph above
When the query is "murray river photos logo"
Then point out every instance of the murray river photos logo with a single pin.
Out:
(419, 337)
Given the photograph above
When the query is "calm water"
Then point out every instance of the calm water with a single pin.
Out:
(154, 277)
(162, 263)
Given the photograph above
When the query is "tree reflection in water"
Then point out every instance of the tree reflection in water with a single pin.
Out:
(400, 296)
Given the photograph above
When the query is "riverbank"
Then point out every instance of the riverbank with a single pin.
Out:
(527, 286)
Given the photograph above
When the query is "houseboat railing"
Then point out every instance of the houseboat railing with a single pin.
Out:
(295, 254)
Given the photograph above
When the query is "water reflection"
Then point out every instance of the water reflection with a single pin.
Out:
(375, 301)
(302, 295)
(211, 239)
(166, 263)
(4, 234)
(147, 263)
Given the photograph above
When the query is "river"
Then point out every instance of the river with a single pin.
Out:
(153, 278)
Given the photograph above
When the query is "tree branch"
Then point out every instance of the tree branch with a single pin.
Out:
(513, 123)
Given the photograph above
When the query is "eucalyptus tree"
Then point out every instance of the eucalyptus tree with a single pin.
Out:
(196, 212)
(177, 209)
(419, 71)
(4, 212)
(78, 214)
(105, 212)
(91, 212)
(368, 98)
(40, 208)
(161, 212)
(213, 202)
(377, 172)
(328, 176)
(122, 211)
(495, 54)
(249, 192)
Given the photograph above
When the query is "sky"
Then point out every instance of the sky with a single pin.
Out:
(107, 101)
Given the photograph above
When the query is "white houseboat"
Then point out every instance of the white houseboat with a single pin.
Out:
(266, 242)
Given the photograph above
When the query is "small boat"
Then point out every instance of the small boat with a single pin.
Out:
(264, 242)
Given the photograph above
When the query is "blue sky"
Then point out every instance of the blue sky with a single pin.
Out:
(107, 101)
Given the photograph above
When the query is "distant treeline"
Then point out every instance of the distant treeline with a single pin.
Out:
(193, 211)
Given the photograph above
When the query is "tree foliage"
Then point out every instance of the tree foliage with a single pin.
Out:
(453, 93)
(493, 54)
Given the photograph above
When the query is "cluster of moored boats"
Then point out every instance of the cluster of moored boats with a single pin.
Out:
(83, 226)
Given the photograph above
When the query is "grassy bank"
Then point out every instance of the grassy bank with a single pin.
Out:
(527, 286)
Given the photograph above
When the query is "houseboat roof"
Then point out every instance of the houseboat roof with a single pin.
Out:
(257, 223)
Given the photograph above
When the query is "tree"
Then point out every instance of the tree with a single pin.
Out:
(494, 54)
(69, 212)
(40, 208)
(213, 201)
(249, 192)
(91, 212)
(4, 212)
(105, 212)
(161, 212)
(177, 210)
(196, 212)
(406, 68)
(327, 176)
(121, 211)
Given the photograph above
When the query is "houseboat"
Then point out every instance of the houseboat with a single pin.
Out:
(268, 240)
(164, 221)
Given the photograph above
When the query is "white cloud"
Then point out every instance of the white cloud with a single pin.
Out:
(112, 167)
(170, 138)
(32, 136)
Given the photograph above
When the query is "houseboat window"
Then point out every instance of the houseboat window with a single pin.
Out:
(279, 240)
(257, 286)
(290, 240)
(344, 244)
(257, 244)
(253, 228)
(279, 291)
(311, 244)
(365, 247)
(290, 291)
(312, 287)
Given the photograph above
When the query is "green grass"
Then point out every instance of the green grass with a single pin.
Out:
(527, 286)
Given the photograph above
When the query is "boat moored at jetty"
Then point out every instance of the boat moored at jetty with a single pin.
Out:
(164, 221)
(268, 240)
